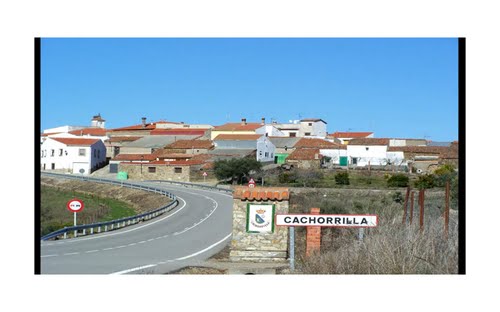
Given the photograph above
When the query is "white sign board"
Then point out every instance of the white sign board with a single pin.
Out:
(327, 220)
(260, 218)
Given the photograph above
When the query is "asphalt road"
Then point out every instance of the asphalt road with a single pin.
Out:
(199, 227)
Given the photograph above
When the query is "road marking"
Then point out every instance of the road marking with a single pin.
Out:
(71, 253)
(134, 269)
(48, 256)
(202, 251)
(173, 260)
(109, 248)
(91, 251)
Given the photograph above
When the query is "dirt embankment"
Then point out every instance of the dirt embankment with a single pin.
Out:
(142, 201)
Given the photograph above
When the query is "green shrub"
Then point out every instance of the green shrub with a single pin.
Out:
(287, 177)
(398, 180)
(397, 197)
(444, 174)
(425, 181)
(342, 178)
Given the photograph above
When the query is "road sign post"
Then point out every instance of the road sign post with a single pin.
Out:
(204, 176)
(251, 183)
(74, 205)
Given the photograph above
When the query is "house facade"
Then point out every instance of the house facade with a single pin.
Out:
(345, 137)
(75, 155)
(265, 150)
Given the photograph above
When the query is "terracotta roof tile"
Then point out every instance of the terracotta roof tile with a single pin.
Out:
(237, 137)
(89, 131)
(350, 134)
(261, 193)
(132, 157)
(370, 141)
(305, 154)
(316, 143)
(238, 127)
(76, 141)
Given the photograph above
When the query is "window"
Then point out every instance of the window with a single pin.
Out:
(354, 161)
(95, 153)
(310, 124)
(293, 134)
(60, 152)
(81, 152)
(367, 148)
(178, 169)
(152, 169)
(98, 153)
(52, 152)
(307, 133)
(266, 154)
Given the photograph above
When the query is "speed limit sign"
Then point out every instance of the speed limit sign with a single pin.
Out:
(75, 205)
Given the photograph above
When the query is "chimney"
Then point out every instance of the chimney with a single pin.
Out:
(144, 122)
(243, 121)
(263, 121)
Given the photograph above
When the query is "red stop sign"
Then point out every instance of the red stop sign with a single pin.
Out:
(75, 205)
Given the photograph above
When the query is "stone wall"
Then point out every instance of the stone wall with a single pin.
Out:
(162, 172)
(258, 247)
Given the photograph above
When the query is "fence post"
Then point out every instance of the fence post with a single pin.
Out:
(411, 206)
(406, 204)
(422, 196)
(292, 248)
(361, 234)
(447, 209)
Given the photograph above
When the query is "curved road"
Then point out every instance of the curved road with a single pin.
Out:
(199, 227)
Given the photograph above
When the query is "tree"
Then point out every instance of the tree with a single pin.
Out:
(398, 180)
(342, 178)
(235, 168)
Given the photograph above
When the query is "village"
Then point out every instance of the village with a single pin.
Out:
(166, 150)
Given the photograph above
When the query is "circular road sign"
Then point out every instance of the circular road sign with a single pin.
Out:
(82, 171)
(74, 205)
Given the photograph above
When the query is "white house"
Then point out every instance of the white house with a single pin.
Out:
(368, 151)
(265, 149)
(76, 155)
(304, 128)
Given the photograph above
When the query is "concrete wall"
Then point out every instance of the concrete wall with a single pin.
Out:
(374, 154)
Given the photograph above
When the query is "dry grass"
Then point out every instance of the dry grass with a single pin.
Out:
(390, 249)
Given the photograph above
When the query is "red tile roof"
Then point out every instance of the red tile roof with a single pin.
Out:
(89, 131)
(132, 157)
(238, 137)
(76, 141)
(261, 193)
(370, 141)
(238, 127)
(305, 154)
(350, 134)
(199, 132)
(444, 152)
(316, 143)
(149, 126)
(188, 144)
(162, 153)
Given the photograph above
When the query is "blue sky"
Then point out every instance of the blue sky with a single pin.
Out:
(404, 88)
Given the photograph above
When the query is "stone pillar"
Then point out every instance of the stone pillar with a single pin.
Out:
(255, 237)
(313, 242)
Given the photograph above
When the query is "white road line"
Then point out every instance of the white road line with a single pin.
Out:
(48, 256)
(202, 251)
(178, 259)
(134, 269)
(109, 248)
(91, 251)
(71, 254)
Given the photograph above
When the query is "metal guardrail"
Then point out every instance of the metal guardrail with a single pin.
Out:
(99, 227)
(193, 185)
